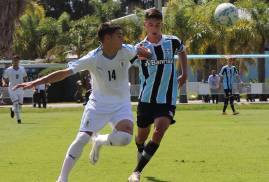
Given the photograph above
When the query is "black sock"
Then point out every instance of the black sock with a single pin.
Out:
(147, 153)
(140, 147)
(224, 108)
(232, 106)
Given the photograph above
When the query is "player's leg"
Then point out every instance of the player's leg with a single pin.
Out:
(73, 153)
(39, 99)
(226, 99)
(232, 104)
(161, 124)
(120, 136)
(122, 124)
(163, 117)
(87, 128)
(144, 121)
(20, 98)
(16, 98)
(140, 139)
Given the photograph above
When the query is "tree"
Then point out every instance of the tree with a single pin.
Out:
(10, 10)
(27, 35)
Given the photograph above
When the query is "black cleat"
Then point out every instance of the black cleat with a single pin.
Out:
(11, 113)
(19, 121)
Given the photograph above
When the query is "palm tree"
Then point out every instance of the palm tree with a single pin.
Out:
(28, 34)
(260, 27)
(10, 10)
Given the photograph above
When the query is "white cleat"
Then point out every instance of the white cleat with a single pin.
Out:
(135, 177)
(94, 154)
(59, 180)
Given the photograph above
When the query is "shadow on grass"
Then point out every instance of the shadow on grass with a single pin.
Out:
(29, 123)
(150, 178)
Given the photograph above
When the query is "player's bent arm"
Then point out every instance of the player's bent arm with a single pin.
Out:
(4, 81)
(183, 58)
(183, 65)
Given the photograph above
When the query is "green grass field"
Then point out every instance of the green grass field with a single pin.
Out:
(203, 146)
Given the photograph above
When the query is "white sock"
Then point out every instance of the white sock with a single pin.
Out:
(73, 154)
(116, 138)
(16, 109)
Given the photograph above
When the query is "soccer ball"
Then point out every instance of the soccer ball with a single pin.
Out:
(226, 14)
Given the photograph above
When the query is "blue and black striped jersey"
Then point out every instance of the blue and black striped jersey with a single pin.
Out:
(228, 76)
(158, 75)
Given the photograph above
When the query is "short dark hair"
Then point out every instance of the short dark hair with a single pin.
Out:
(153, 13)
(15, 56)
(107, 28)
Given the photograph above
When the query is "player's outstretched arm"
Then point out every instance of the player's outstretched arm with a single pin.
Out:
(50, 78)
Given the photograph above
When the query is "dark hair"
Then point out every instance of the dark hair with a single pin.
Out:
(15, 56)
(153, 13)
(107, 28)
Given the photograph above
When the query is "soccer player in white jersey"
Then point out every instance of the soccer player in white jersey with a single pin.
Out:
(12, 76)
(110, 97)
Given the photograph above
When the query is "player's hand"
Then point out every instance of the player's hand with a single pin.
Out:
(25, 85)
(143, 52)
(182, 80)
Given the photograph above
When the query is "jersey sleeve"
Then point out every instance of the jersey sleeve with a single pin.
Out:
(84, 63)
(131, 52)
(178, 45)
(236, 72)
(221, 71)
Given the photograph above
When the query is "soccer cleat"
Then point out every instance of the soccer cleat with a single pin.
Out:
(11, 113)
(94, 154)
(224, 113)
(59, 180)
(19, 121)
(135, 177)
(235, 113)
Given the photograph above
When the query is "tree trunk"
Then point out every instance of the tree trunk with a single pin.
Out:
(10, 11)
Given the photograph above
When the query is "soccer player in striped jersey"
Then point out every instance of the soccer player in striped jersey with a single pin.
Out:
(109, 101)
(159, 83)
(228, 74)
(13, 75)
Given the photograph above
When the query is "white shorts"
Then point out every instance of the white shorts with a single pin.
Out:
(95, 118)
(16, 95)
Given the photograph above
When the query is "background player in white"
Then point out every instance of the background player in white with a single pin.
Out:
(12, 76)
(110, 97)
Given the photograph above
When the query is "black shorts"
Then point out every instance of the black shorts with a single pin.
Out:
(147, 112)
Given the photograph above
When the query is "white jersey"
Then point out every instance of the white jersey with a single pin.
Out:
(14, 76)
(110, 83)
